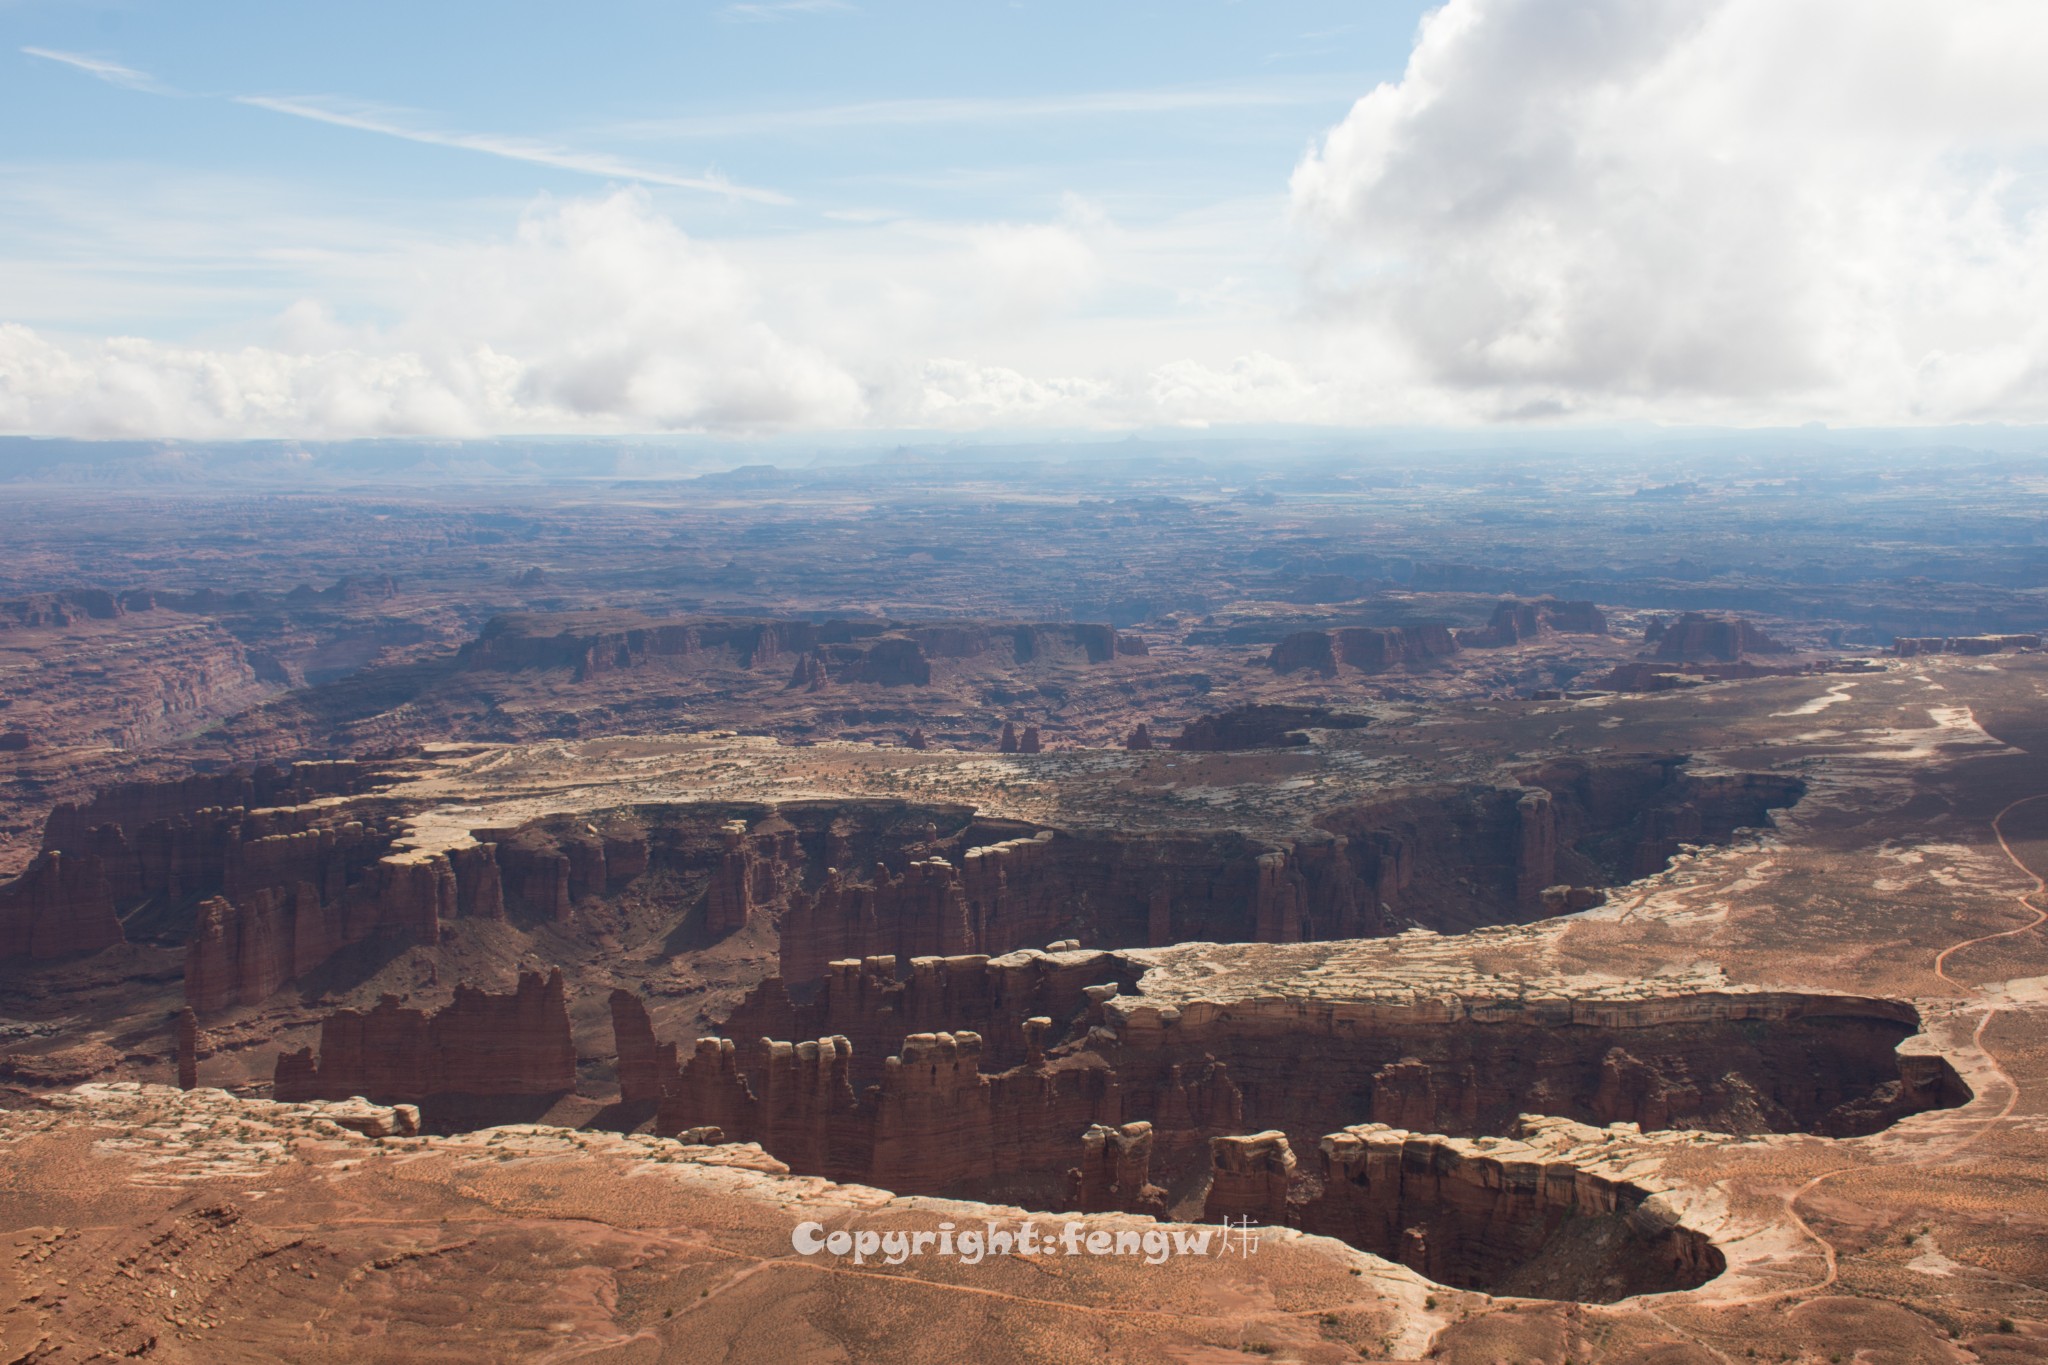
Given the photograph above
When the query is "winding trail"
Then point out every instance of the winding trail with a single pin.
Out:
(2012, 1090)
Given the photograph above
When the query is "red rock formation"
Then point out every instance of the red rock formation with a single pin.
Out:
(1511, 1223)
(242, 951)
(1140, 739)
(1535, 849)
(1369, 649)
(1115, 1172)
(1516, 622)
(479, 1045)
(1028, 742)
(188, 1049)
(1008, 743)
(1700, 636)
(1305, 649)
(647, 1069)
(60, 904)
(1404, 1095)
(1276, 910)
(758, 868)
(1000, 896)
(917, 740)
(884, 652)
(1249, 1180)
(868, 1003)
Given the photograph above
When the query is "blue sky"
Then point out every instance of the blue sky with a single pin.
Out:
(815, 113)
(263, 219)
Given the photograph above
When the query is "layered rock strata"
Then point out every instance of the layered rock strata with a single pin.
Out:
(480, 1044)
(885, 652)
(1365, 649)
(1549, 1215)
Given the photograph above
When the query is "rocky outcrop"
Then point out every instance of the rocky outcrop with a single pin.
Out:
(187, 1043)
(1115, 1172)
(758, 868)
(999, 896)
(1707, 638)
(1741, 1063)
(478, 1045)
(875, 1006)
(243, 950)
(1517, 622)
(1455, 859)
(647, 1069)
(932, 1122)
(61, 904)
(1548, 1218)
(1367, 649)
(1907, 647)
(1029, 742)
(1007, 744)
(887, 653)
(1261, 726)
(1140, 739)
(1249, 1179)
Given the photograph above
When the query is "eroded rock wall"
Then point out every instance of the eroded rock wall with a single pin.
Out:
(480, 1044)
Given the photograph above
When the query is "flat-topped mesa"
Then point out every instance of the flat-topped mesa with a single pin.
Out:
(1710, 638)
(889, 653)
(60, 904)
(1907, 647)
(1517, 622)
(131, 807)
(1367, 649)
(479, 1045)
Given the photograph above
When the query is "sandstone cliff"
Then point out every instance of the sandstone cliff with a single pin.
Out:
(478, 1045)
(1708, 638)
(1368, 649)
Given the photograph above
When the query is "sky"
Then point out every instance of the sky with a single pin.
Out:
(226, 220)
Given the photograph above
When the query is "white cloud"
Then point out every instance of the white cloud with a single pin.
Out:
(1686, 210)
(1737, 208)
(388, 124)
(113, 73)
(1009, 109)
(597, 315)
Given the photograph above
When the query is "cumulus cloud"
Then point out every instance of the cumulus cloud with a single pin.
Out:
(1719, 210)
(1737, 207)
(595, 315)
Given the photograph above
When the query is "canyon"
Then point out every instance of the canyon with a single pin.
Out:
(1527, 929)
